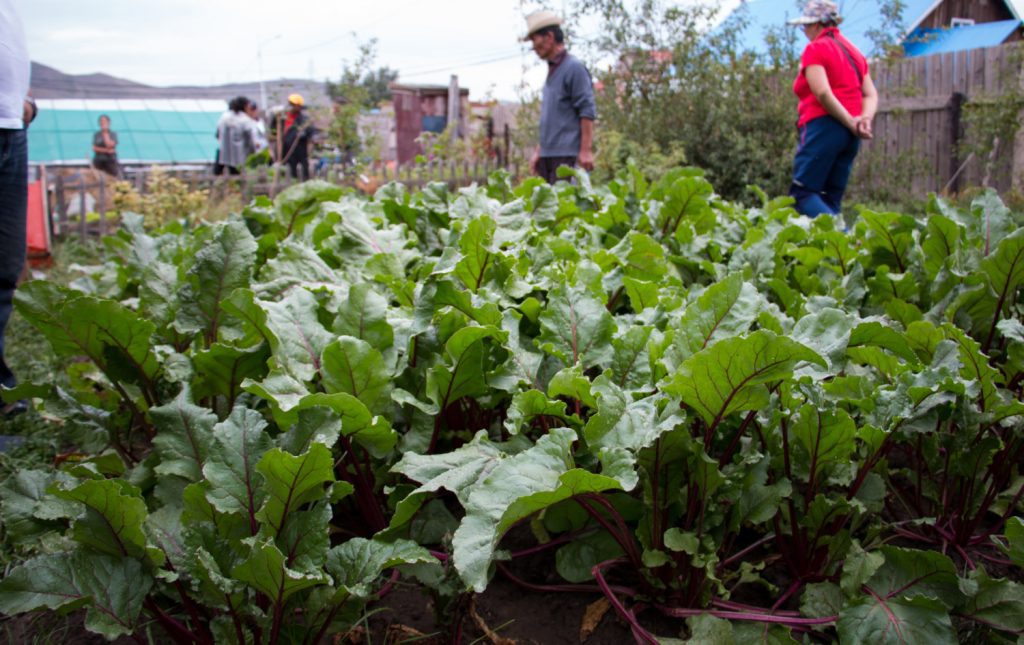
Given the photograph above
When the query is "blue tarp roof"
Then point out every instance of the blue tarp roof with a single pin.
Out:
(924, 42)
(148, 131)
(859, 17)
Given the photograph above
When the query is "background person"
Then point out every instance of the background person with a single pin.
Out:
(236, 132)
(837, 105)
(104, 148)
(568, 109)
(259, 130)
(16, 112)
(298, 133)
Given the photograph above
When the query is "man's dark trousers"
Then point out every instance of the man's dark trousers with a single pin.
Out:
(13, 209)
(547, 167)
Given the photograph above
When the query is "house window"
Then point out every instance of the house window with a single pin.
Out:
(961, 22)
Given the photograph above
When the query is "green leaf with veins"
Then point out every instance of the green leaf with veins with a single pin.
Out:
(291, 481)
(733, 375)
(576, 327)
(113, 589)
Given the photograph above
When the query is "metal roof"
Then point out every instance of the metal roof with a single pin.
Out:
(148, 130)
(923, 42)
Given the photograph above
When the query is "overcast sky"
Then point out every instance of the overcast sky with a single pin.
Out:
(209, 42)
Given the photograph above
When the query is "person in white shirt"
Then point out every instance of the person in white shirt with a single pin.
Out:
(236, 132)
(260, 132)
(16, 112)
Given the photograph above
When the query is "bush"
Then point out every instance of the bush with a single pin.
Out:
(680, 90)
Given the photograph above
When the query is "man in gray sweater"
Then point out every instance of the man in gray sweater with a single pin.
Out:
(567, 109)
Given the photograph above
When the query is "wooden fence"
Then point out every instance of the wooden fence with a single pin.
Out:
(80, 199)
(920, 127)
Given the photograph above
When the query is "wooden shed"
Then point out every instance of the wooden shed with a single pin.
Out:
(419, 109)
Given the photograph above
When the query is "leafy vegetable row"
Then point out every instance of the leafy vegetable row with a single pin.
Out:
(695, 405)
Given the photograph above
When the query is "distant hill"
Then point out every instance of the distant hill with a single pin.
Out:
(50, 83)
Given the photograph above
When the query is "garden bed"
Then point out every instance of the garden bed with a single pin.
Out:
(481, 414)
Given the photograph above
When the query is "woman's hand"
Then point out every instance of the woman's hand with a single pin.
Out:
(863, 127)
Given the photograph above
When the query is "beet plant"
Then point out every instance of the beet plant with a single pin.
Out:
(757, 423)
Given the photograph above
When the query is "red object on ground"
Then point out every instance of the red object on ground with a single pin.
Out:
(37, 233)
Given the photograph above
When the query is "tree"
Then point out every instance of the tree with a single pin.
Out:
(360, 82)
(360, 87)
(683, 90)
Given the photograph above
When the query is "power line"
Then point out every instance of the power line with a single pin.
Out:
(351, 33)
(458, 67)
(454, 62)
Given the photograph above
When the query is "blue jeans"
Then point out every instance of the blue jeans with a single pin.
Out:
(821, 169)
(13, 213)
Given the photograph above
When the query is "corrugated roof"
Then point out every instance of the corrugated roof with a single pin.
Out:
(148, 130)
(924, 42)
(859, 17)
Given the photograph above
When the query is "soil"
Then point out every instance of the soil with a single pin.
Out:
(508, 611)
(406, 615)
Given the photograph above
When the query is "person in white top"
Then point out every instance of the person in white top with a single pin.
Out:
(260, 132)
(16, 112)
(236, 132)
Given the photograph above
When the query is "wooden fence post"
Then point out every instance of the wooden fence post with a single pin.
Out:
(101, 207)
(82, 211)
(62, 206)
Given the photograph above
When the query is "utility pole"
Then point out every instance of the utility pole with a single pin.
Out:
(454, 103)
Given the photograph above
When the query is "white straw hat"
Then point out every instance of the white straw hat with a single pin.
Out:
(539, 20)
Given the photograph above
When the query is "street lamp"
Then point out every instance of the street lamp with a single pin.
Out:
(259, 59)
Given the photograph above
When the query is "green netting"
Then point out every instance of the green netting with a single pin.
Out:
(144, 135)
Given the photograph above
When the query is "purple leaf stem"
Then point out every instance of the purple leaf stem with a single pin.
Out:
(562, 539)
(730, 605)
(788, 621)
(639, 633)
(568, 588)
(389, 585)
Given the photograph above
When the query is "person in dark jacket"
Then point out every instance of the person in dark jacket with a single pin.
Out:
(298, 133)
(104, 148)
(568, 108)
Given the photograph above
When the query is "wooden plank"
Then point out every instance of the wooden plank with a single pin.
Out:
(944, 74)
(62, 206)
(101, 204)
(916, 129)
(993, 69)
(914, 104)
(960, 71)
(976, 75)
(920, 87)
(82, 232)
(880, 75)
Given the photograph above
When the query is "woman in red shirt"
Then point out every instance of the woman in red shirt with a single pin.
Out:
(837, 104)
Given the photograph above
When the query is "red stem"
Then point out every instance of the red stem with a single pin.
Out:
(746, 550)
(172, 626)
(639, 633)
(789, 621)
(389, 585)
(738, 606)
(562, 539)
(571, 588)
